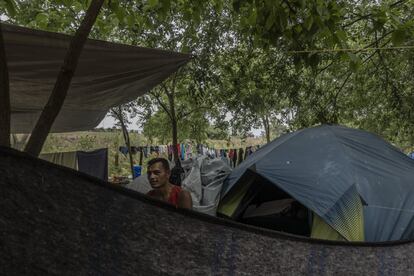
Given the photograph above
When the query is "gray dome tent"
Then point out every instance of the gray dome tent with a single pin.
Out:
(354, 181)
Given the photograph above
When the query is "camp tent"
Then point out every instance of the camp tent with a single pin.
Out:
(108, 74)
(352, 181)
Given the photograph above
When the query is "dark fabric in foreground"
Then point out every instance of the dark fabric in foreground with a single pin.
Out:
(57, 221)
(94, 163)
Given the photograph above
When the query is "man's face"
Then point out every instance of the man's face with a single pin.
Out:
(158, 176)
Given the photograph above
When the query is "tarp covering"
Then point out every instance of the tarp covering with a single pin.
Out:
(66, 159)
(107, 75)
(56, 221)
(350, 178)
(94, 163)
(204, 178)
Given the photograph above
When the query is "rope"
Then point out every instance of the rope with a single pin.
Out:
(350, 50)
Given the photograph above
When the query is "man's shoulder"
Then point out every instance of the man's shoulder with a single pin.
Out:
(184, 193)
(184, 199)
(151, 193)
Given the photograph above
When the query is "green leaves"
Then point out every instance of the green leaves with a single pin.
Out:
(251, 20)
(291, 24)
(341, 35)
(398, 37)
(379, 17)
(152, 3)
(10, 6)
(313, 60)
(243, 53)
(270, 20)
(42, 20)
(354, 61)
(308, 23)
(236, 5)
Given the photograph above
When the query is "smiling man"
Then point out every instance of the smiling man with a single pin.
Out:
(159, 177)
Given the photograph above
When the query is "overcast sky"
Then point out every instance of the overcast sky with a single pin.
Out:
(109, 122)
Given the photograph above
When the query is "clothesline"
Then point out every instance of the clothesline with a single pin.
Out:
(153, 148)
(315, 51)
(234, 155)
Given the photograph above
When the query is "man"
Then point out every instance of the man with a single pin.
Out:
(159, 177)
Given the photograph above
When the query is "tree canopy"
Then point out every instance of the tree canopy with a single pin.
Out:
(277, 65)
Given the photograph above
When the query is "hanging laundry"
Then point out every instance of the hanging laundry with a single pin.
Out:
(163, 149)
(182, 151)
(94, 163)
(67, 159)
(123, 150)
(145, 150)
(240, 155)
(178, 151)
(157, 151)
(199, 149)
(231, 153)
(170, 152)
(134, 150)
(188, 151)
(141, 155)
(234, 158)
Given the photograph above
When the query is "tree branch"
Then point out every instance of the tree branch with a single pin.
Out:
(163, 106)
(182, 115)
(347, 78)
(64, 78)
(356, 20)
(387, 81)
(370, 14)
(289, 6)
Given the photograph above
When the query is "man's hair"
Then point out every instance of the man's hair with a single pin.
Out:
(163, 161)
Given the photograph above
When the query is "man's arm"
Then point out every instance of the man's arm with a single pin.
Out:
(184, 200)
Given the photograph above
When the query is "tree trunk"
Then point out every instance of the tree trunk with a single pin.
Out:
(174, 128)
(265, 120)
(141, 153)
(57, 98)
(177, 171)
(126, 138)
(4, 96)
(116, 161)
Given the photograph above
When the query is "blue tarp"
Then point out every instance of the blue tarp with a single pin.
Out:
(331, 168)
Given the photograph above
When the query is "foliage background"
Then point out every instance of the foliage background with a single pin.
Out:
(279, 65)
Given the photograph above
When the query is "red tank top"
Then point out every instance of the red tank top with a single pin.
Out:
(173, 198)
(175, 192)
